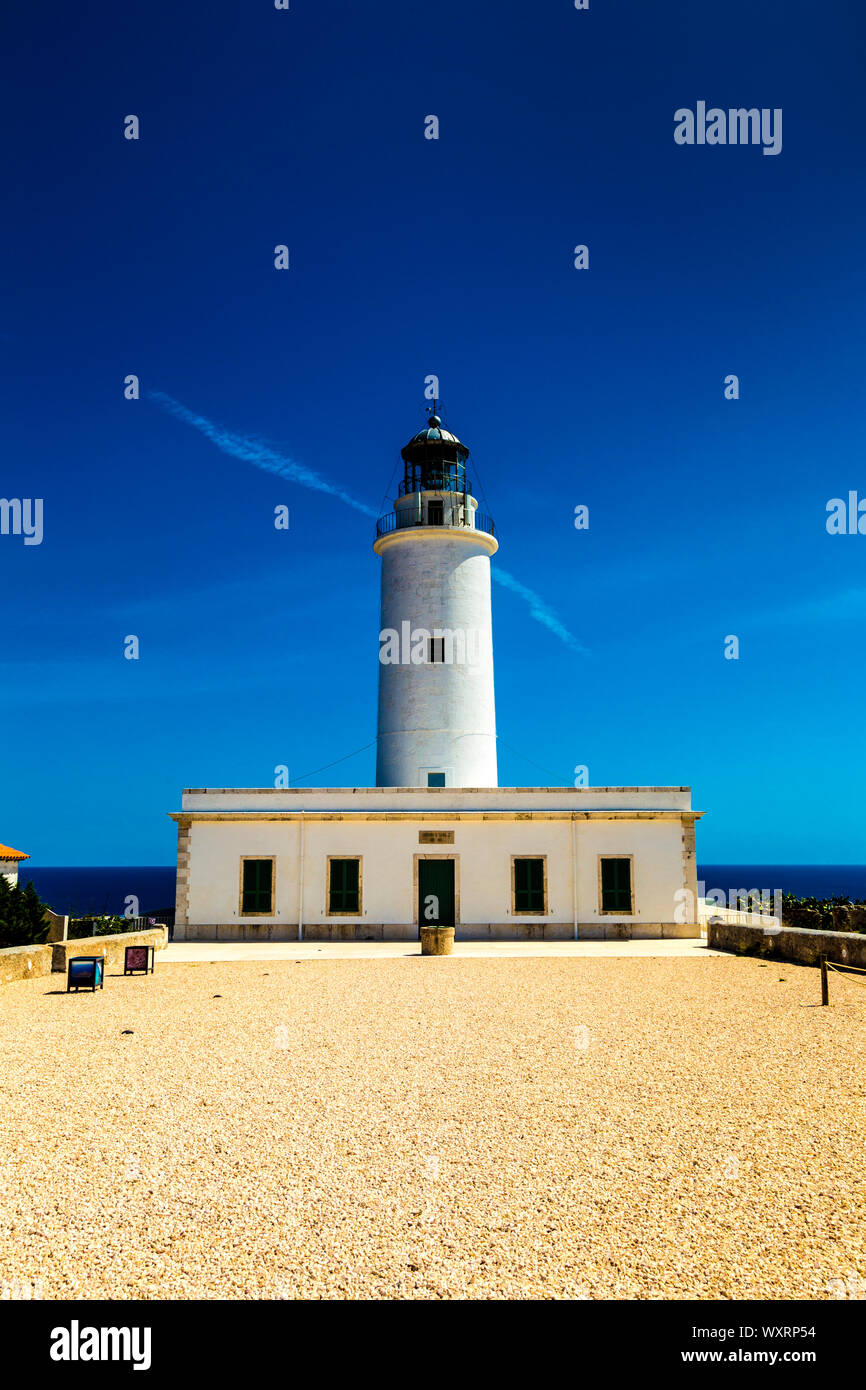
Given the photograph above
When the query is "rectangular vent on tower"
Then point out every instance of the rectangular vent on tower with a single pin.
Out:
(435, 513)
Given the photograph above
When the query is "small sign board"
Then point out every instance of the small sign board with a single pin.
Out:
(138, 958)
(85, 972)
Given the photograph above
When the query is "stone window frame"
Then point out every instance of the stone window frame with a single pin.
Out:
(528, 911)
(617, 911)
(342, 912)
(258, 858)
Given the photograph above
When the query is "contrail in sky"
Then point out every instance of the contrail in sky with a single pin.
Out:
(538, 608)
(255, 451)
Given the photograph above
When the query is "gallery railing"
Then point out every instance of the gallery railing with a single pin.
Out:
(448, 516)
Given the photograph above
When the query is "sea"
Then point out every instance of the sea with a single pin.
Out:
(82, 892)
(803, 880)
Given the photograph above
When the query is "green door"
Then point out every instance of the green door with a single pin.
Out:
(436, 892)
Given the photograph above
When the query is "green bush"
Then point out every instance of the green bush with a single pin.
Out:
(824, 914)
(22, 915)
(100, 926)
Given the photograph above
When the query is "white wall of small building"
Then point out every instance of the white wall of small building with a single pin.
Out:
(387, 848)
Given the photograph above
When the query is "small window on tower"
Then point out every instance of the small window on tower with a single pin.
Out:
(436, 513)
(435, 779)
(435, 648)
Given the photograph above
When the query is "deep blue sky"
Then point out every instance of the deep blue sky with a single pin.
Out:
(453, 257)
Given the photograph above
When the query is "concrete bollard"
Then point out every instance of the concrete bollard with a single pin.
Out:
(437, 941)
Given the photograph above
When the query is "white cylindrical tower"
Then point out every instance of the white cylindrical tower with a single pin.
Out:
(437, 722)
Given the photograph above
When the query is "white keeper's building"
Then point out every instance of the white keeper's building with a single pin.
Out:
(437, 840)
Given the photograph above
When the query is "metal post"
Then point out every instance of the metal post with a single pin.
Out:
(825, 993)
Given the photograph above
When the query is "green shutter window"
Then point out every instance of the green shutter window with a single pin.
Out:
(616, 885)
(257, 885)
(344, 887)
(529, 885)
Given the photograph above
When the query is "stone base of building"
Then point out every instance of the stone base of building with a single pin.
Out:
(470, 931)
(638, 931)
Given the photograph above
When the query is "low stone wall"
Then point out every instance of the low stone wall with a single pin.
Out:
(845, 916)
(111, 947)
(742, 919)
(24, 963)
(791, 943)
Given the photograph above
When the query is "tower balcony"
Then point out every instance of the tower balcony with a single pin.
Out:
(436, 512)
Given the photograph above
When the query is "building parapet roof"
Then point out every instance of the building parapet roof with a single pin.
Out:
(432, 801)
(460, 813)
(419, 791)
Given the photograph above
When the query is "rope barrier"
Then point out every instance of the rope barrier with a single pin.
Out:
(843, 970)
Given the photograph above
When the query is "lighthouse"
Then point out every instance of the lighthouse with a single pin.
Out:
(436, 718)
(437, 842)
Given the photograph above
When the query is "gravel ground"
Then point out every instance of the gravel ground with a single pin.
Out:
(438, 1128)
